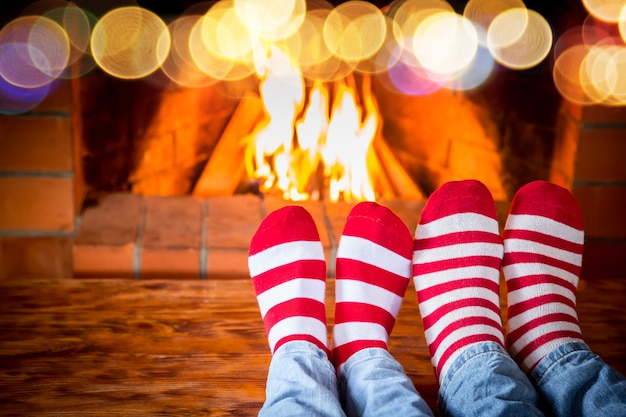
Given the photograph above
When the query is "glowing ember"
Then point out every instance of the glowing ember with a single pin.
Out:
(287, 150)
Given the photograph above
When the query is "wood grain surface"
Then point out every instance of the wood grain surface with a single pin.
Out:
(120, 347)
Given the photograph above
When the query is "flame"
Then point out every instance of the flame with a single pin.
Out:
(295, 144)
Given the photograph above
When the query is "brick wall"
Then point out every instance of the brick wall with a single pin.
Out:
(590, 160)
(41, 188)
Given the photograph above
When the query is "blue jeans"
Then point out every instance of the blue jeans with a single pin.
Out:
(484, 380)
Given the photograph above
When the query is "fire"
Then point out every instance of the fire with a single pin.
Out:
(307, 146)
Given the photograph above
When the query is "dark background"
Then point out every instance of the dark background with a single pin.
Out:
(552, 10)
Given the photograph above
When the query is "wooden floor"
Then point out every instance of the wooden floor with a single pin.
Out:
(123, 347)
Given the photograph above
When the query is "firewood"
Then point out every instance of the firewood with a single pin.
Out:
(380, 179)
(226, 167)
(402, 184)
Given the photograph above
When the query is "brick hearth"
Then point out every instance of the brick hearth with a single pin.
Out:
(126, 235)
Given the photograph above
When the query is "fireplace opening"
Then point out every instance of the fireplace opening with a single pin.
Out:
(182, 131)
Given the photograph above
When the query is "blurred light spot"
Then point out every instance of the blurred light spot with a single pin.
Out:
(606, 10)
(271, 20)
(475, 74)
(179, 65)
(622, 23)
(225, 35)
(445, 43)
(355, 30)
(77, 24)
(39, 54)
(482, 12)
(130, 42)
(577, 35)
(15, 99)
(409, 14)
(619, 65)
(567, 75)
(519, 38)
(411, 79)
(597, 74)
(385, 56)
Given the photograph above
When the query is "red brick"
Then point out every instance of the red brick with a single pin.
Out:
(36, 257)
(601, 155)
(36, 143)
(172, 237)
(230, 224)
(105, 243)
(36, 203)
(603, 210)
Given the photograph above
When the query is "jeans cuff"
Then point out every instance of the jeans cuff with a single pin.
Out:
(555, 357)
(300, 347)
(470, 353)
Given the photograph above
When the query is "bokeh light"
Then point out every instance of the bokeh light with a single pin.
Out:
(482, 12)
(39, 51)
(355, 30)
(412, 46)
(445, 44)
(519, 38)
(606, 10)
(566, 74)
(179, 65)
(130, 42)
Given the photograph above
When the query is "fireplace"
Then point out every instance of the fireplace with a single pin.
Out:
(113, 178)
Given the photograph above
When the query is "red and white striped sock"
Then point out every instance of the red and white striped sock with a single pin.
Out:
(543, 245)
(372, 274)
(288, 270)
(456, 267)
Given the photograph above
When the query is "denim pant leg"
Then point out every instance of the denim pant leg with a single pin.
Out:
(373, 383)
(485, 381)
(301, 382)
(575, 382)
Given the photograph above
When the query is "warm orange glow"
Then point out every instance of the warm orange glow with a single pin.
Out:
(294, 143)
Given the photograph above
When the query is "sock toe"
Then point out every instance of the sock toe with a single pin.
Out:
(287, 224)
(548, 200)
(459, 196)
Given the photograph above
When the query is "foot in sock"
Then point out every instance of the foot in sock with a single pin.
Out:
(543, 244)
(456, 268)
(372, 274)
(288, 271)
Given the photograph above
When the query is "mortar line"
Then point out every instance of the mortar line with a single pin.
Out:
(139, 240)
(203, 268)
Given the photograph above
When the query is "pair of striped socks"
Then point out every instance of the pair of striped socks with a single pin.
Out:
(373, 268)
(455, 260)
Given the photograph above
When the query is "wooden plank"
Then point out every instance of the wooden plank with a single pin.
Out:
(107, 347)
(225, 168)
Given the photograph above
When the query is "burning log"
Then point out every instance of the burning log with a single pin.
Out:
(402, 184)
(225, 168)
